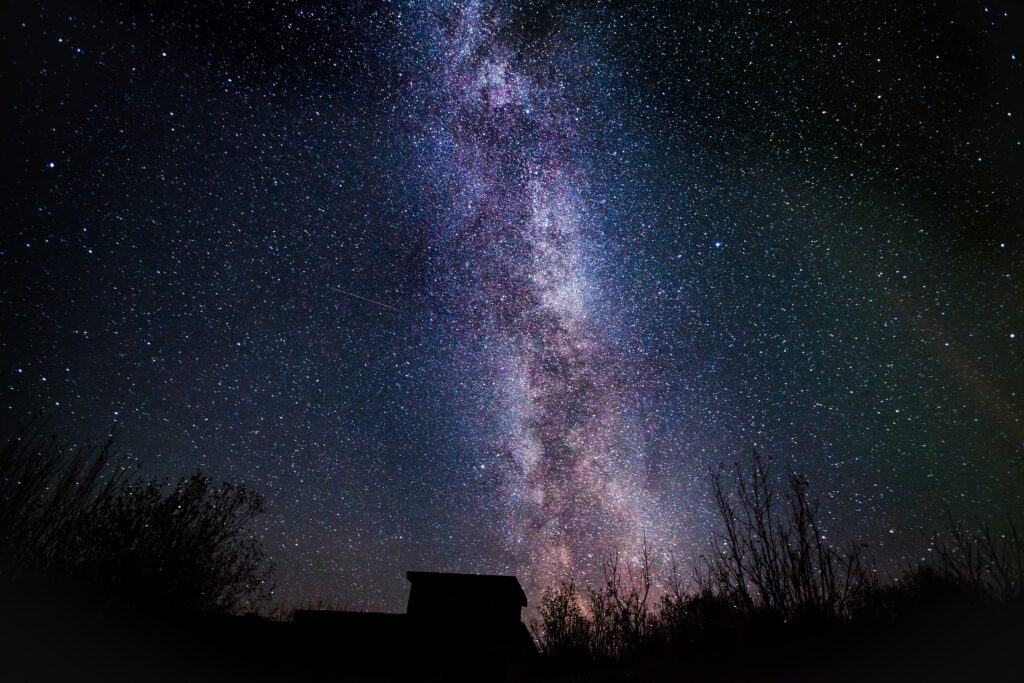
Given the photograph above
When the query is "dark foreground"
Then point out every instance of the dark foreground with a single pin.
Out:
(44, 642)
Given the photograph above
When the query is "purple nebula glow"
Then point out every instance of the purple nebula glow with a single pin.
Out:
(522, 233)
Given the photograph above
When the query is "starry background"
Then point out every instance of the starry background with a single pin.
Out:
(299, 245)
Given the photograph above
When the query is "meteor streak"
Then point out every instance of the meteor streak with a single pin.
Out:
(362, 298)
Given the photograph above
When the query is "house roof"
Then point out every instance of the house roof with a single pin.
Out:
(502, 587)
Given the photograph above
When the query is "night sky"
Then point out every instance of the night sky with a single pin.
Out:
(488, 286)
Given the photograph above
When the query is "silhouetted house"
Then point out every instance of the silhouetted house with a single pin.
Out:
(477, 598)
(465, 626)
(468, 622)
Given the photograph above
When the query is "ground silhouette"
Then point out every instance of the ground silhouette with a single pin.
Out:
(107, 576)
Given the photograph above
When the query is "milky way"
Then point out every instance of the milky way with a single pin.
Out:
(526, 234)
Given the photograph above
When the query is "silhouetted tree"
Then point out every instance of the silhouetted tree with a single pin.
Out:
(772, 554)
(621, 619)
(562, 631)
(81, 514)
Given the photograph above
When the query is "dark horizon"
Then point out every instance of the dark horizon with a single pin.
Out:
(489, 287)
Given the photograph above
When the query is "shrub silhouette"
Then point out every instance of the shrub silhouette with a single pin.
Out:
(83, 516)
(772, 594)
(182, 546)
(989, 561)
(610, 622)
(562, 630)
(46, 487)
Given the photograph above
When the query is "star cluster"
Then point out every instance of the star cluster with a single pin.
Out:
(488, 286)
